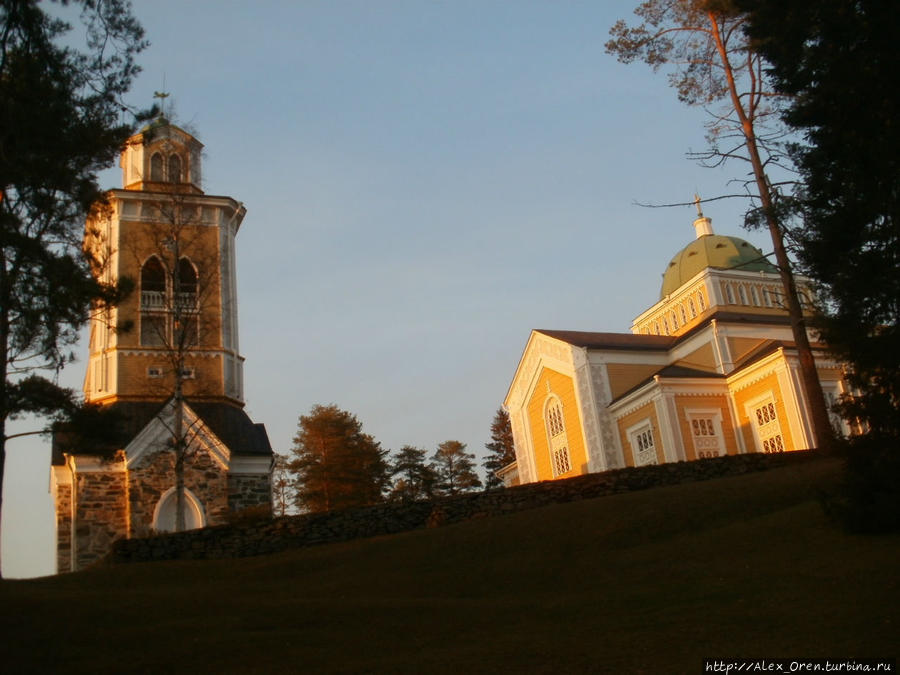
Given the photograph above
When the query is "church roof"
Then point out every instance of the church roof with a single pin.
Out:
(229, 423)
(716, 251)
(672, 371)
(624, 341)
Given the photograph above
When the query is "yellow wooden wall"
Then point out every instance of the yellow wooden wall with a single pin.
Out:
(711, 402)
(632, 418)
(564, 388)
(755, 390)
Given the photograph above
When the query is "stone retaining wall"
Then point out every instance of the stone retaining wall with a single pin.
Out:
(271, 536)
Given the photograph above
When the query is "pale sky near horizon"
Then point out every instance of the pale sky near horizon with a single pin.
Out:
(425, 182)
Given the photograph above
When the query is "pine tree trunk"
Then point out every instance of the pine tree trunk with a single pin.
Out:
(812, 387)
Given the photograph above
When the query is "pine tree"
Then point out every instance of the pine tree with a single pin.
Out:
(337, 465)
(454, 469)
(60, 107)
(501, 449)
(836, 60)
(413, 478)
(713, 62)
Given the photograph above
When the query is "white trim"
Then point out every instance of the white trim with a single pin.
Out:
(157, 434)
(632, 433)
(250, 465)
(715, 417)
(190, 502)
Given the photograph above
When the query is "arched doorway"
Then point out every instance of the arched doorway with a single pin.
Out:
(164, 514)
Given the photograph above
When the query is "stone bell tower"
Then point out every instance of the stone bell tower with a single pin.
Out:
(176, 331)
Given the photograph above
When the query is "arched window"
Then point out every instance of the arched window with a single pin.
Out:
(153, 303)
(684, 318)
(700, 301)
(164, 513)
(187, 281)
(174, 168)
(558, 439)
(729, 294)
(742, 294)
(754, 295)
(153, 283)
(692, 307)
(156, 167)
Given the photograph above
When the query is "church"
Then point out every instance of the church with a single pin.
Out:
(710, 369)
(165, 358)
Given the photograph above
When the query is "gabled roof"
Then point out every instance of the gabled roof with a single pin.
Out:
(229, 423)
(681, 372)
(624, 341)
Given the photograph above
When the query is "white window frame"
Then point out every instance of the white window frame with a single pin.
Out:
(769, 435)
(557, 436)
(641, 453)
(710, 442)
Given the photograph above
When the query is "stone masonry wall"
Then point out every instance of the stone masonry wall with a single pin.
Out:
(270, 536)
(101, 513)
(63, 528)
(202, 475)
(247, 490)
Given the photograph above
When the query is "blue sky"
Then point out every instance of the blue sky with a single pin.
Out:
(426, 181)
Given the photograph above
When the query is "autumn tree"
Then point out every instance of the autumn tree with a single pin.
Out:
(60, 124)
(413, 479)
(501, 449)
(337, 465)
(710, 62)
(454, 469)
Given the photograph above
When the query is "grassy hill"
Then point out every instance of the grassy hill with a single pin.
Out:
(644, 582)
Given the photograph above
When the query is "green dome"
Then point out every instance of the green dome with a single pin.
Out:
(712, 250)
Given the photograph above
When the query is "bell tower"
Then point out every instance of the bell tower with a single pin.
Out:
(176, 245)
(164, 359)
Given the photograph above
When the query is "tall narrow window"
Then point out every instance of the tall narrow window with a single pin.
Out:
(742, 293)
(187, 285)
(705, 433)
(700, 301)
(174, 168)
(556, 432)
(729, 294)
(153, 303)
(692, 308)
(156, 167)
(768, 429)
(643, 445)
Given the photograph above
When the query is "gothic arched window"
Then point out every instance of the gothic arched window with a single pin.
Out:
(156, 167)
(174, 168)
(153, 303)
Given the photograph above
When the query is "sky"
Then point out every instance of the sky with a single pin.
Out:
(426, 181)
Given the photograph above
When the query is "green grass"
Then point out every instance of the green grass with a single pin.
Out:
(646, 582)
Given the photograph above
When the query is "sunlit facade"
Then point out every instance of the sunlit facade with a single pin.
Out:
(177, 245)
(710, 369)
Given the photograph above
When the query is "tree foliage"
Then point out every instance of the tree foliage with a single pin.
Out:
(60, 123)
(413, 478)
(454, 469)
(836, 60)
(337, 465)
(711, 61)
(501, 449)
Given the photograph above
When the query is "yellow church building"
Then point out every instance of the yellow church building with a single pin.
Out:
(710, 369)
